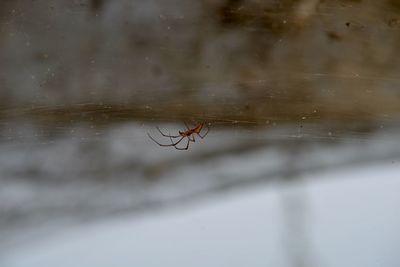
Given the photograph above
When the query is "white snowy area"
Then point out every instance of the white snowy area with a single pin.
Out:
(347, 217)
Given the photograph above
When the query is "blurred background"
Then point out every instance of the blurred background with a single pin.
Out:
(300, 167)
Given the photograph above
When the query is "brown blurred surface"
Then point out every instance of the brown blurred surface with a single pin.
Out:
(220, 61)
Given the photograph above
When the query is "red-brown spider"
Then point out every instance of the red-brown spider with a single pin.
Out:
(189, 134)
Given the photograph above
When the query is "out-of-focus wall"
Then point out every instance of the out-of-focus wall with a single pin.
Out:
(250, 58)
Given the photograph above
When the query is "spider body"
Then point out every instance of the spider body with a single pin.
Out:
(189, 134)
(195, 130)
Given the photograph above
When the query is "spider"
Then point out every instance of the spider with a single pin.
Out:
(189, 134)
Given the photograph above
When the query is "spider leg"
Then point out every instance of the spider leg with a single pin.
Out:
(187, 126)
(184, 148)
(204, 135)
(172, 144)
(193, 140)
(166, 135)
